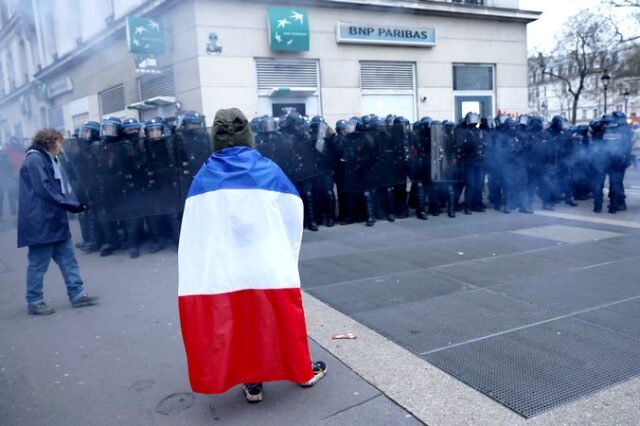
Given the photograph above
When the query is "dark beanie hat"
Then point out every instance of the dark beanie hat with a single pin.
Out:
(231, 128)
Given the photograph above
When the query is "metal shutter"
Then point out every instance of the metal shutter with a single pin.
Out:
(112, 100)
(287, 73)
(387, 76)
(152, 85)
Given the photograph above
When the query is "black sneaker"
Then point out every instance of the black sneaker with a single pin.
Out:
(85, 301)
(319, 371)
(40, 309)
(252, 392)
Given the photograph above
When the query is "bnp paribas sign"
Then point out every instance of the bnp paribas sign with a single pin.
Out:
(385, 34)
(288, 29)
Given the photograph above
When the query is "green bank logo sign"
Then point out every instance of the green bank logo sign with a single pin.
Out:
(384, 34)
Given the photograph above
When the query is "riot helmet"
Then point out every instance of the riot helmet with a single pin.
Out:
(558, 123)
(316, 121)
(510, 123)
(268, 125)
(255, 124)
(620, 116)
(154, 128)
(366, 121)
(472, 119)
(523, 120)
(190, 121)
(389, 120)
(89, 131)
(536, 124)
(131, 128)
(356, 123)
(341, 127)
(501, 119)
(111, 128)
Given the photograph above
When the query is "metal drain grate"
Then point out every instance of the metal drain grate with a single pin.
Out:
(442, 321)
(535, 369)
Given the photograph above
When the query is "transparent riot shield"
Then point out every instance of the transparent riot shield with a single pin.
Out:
(193, 148)
(277, 147)
(360, 156)
(76, 165)
(307, 161)
(162, 190)
(446, 163)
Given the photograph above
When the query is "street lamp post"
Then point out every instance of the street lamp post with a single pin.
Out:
(625, 95)
(605, 83)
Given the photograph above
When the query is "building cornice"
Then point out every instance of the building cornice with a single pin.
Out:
(425, 7)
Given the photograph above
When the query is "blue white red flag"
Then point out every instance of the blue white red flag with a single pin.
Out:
(239, 288)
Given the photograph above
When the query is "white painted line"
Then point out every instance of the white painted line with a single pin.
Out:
(604, 221)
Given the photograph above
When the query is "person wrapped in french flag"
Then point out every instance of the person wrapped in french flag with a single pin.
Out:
(239, 297)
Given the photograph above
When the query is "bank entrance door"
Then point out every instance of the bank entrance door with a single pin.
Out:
(482, 105)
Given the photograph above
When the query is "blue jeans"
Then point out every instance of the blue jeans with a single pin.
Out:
(39, 257)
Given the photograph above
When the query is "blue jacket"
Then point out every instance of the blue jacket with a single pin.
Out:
(42, 208)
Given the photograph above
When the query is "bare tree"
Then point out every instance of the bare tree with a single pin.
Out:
(633, 9)
(582, 50)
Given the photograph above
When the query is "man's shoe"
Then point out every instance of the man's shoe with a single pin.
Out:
(107, 250)
(134, 252)
(571, 203)
(85, 301)
(319, 371)
(391, 217)
(313, 227)
(252, 392)
(40, 309)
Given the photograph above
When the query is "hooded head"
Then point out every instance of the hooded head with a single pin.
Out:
(231, 128)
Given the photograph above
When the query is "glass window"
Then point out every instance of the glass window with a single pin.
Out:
(472, 77)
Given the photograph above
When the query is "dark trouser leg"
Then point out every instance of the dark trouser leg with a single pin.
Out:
(331, 209)
(495, 187)
(348, 207)
(434, 192)
(369, 208)
(451, 200)
(470, 178)
(479, 187)
(110, 230)
(421, 195)
(616, 176)
(391, 203)
(174, 228)
(155, 238)
(132, 229)
(401, 202)
(597, 186)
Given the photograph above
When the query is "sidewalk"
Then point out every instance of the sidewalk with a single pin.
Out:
(116, 362)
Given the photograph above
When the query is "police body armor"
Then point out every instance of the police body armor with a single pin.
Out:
(446, 162)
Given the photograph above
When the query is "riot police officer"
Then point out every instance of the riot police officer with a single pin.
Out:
(515, 179)
(564, 151)
(616, 147)
(162, 186)
(110, 133)
(320, 132)
(473, 145)
(599, 163)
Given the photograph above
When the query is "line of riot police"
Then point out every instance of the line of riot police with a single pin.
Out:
(136, 177)
(372, 160)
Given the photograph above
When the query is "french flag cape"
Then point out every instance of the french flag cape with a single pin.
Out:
(239, 289)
